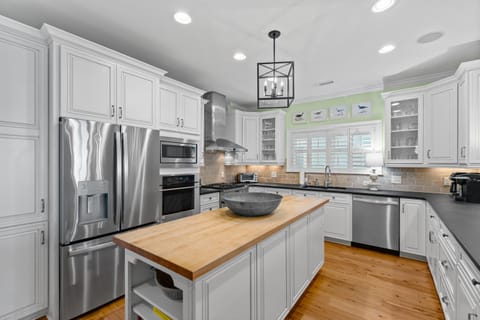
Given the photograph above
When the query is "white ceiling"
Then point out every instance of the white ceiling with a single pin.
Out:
(328, 39)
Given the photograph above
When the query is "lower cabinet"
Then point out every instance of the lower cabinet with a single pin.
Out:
(412, 226)
(299, 258)
(23, 272)
(272, 281)
(316, 243)
(228, 292)
(468, 303)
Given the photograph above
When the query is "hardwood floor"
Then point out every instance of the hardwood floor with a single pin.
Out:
(355, 284)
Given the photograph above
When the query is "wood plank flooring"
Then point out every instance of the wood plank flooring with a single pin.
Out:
(355, 284)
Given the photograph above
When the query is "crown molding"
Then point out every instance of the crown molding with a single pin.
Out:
(22, 30)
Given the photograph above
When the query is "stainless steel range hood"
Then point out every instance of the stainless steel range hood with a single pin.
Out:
(216, 124)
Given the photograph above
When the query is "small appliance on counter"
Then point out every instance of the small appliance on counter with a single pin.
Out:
(465, 186)
(247, 177)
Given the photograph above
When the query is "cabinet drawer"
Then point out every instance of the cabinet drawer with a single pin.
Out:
(470, 271)
(278, 191)
(447, 239)
(447, 267)
(446, 300)
(209, 207)
(337, 197)
(209, 198)
(307, 194)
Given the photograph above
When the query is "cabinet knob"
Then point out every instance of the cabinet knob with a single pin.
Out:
(444, 235)
(472, 316)
(445, 300)
(445, 264)
(475, 282)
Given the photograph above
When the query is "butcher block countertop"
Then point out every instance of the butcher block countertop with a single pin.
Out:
(195, 245)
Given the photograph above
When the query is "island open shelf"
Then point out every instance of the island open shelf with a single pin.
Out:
(228, 267)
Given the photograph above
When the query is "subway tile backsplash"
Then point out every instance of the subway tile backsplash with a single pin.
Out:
(413, 179)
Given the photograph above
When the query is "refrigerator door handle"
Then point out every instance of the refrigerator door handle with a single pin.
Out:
(118, 177)
(77, 252)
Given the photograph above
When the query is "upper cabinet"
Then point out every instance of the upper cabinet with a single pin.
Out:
(441, 124)
(180, 107)
(437, 124)
(262, 133)
(469, 118)
(96, 83)
(403, 123)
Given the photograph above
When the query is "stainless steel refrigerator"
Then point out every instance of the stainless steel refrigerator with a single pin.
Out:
(109, 182)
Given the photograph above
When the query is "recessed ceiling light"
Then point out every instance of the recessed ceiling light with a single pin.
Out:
(382, 5)
(182, 17)
(430, 37)
(386, 49)
(239, 56)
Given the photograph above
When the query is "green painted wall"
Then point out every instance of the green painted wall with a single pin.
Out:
(374, 98)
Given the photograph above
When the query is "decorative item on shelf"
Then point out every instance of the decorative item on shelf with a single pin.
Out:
(361, 109)
(275, 81)
(299, 117)
(338, 112)
(318, 115)
(375, 161)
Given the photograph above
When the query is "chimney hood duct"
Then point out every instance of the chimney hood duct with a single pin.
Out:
(216, 124)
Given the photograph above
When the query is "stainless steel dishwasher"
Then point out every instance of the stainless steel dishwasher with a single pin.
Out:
(376, 222)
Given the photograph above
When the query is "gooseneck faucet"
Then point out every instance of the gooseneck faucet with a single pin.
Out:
(328, 173)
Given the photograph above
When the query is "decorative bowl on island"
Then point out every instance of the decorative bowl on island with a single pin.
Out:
(252, 204)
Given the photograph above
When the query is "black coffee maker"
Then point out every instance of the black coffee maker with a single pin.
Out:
(465, 186)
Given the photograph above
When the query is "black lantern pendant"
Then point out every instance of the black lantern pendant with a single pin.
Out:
(275, 81)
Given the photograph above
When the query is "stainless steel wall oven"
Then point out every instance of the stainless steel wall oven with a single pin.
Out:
(179, 196)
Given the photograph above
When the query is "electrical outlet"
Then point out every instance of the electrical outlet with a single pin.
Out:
(446, 181)
(222, 174)
(274, 174)
(396, 179)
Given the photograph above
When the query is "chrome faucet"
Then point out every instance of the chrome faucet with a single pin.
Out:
(328, 173)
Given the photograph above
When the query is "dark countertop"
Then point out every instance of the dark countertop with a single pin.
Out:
(461, 218)
(204, 190)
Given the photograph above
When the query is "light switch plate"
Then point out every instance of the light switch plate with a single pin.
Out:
(396, 179)
(274, 174)
(446, 181)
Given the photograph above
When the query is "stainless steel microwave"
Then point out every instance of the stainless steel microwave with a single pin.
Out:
(178, 153)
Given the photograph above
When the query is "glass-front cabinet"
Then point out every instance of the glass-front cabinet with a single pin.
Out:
(404, 129)
(267, 139)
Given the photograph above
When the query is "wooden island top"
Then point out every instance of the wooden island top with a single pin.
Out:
(195, 245)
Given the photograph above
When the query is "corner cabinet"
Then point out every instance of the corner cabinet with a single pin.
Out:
(24, 171)
(180, 108)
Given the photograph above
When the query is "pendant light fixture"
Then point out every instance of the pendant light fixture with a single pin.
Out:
(275, 81)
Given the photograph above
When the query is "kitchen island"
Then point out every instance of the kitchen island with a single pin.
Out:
(227, 266)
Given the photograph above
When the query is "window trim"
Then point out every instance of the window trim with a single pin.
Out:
(377, 126)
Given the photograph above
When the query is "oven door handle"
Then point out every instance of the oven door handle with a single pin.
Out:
(180, 188)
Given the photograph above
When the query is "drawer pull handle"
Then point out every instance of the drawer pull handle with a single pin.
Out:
(431, 217)
(444, 235)
(472, 315)
(475, 282)
(445, 264)
(445, 300)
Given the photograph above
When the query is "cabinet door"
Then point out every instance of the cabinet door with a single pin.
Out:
(316, 241)
(169, 101)
(338, 221)
(190, 113)
(441, 124)
(268, 144)
(250, 138)
(23, 184)
(299, 258)
(87, 85)
(412, 226)
(272, 286)
(463, 121)
(136, 98)
(228, 292)
(23, 272)
(432, 244)
(473, 148)
(23, 82)
(404, 128)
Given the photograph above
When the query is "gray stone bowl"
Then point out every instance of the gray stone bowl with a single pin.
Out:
(252, 204)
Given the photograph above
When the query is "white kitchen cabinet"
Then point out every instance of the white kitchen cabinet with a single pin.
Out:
(469, 117)
(209, 201)
(272, 141)
(299, 244)
(338, 221)
(256, 189)
(227, 292)
(87, 85)
(136, 97)
(272, 277)
(180, 109)
(23, 272)
(404, 128)
(412, 226)
(306, 194)
(316, 243)
(467, 302)
(441, 124)
(250, 139)
(279, 191)
(432, 241)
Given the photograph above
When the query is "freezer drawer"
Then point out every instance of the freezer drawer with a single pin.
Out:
(92, 274)
(376, 222)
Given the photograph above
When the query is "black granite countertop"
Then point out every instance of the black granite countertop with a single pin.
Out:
(461, 218)
(204, 190)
